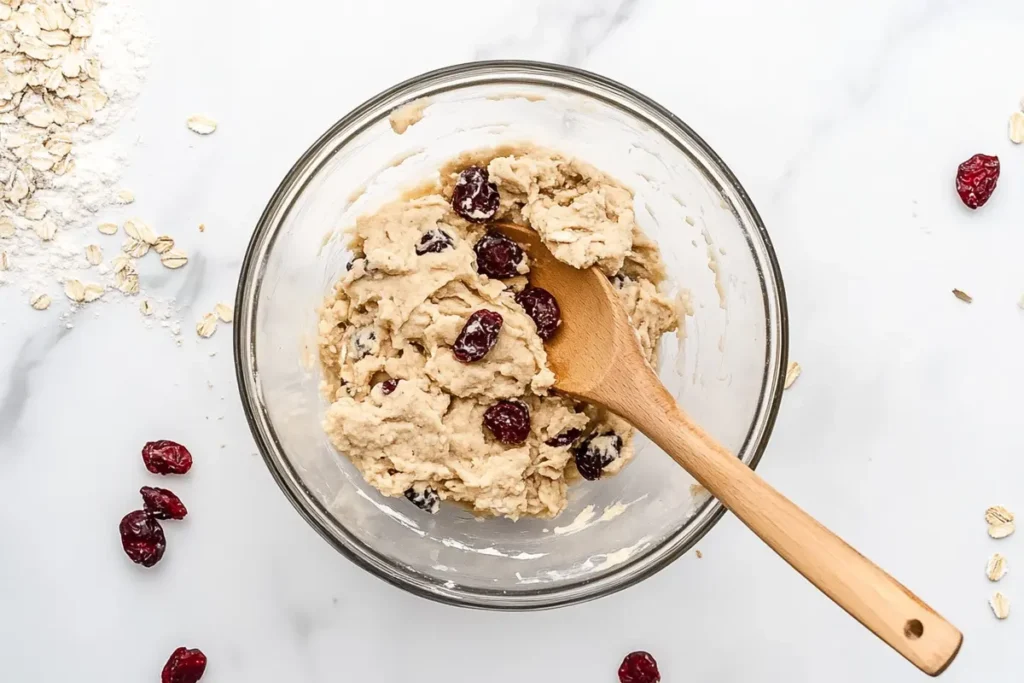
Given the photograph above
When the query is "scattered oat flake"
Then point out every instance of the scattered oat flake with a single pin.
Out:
(135, 247)
(1001, 530)
(963, 296)
(108, 228)
(175, 258)
(203, 125)
(699, 554)
(93, 292)
(124, 197)
(207, 326)
(93, 254)
(224, 312)
(145, 308)
(202, 227)
(1000, 605)
(75, 290)
(1016, 127)
(793, 371)
(996, 567)
(40, 302)
(163, 244)
(5, 263)
(997, 514)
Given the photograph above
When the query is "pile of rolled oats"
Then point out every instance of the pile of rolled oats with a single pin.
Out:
(49, 86)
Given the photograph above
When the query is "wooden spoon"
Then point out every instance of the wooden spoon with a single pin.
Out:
(596, 357)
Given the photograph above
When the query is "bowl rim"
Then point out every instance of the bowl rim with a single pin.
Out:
(283, 472)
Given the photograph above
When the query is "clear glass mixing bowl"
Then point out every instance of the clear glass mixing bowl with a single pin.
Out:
(727, 371)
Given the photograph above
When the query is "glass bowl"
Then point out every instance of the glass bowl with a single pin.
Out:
(726, 369)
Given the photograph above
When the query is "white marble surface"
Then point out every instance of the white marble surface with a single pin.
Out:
(845, 121)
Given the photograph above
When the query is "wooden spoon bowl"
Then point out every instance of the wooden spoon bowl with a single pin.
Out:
(597, 358)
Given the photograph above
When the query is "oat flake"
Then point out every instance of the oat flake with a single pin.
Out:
(997, 514)
(793, 371)
(93, 254)
(203, 125)
(224, 312)
(1000, 605)
(1016, 127)
(75, 290)
(163, 244)
(5, 263)
(107, 228)
(996, 567)
(175, 258)
(124, 197)
(145, 308)
(963, 296)
(40, 302)
(207, 326)
(1001, 530)
(92, 292)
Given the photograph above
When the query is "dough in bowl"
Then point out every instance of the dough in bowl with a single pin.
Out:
(406, 408)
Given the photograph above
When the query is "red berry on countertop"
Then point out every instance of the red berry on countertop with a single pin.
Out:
(497, 256)
(509, 421)
(142, 538)
(162, 504)
(540, 305)
(184, 666)
(639, 667)
(478, 336)
(976, 179)
(166, 457)
(475, 198)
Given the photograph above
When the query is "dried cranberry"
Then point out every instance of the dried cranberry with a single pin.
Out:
(162, 504)
(497, 256)
(426, 500)
(434, 241)
(142, 538)
(639, 667)
(565, 438)
(976, 179)
(509, 421)
(596, 453)
(388, 386)
(540, 305)
(166, 457)
(184, 666)
(478, 336)
(474, 197)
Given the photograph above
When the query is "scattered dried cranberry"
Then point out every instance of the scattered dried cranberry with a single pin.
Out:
(142, 538)
(426, 500)
(388, 386)
(596, 453)
(434, 241)
(166, 457)
(497, 256)
(976, 179)
(639, 667)
(540, 305)
(509, 421)
(474, 197)
(162, 504)
(184, 666)
(478, 336)
(565, 438)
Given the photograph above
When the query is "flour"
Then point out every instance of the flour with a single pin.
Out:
(68, 199)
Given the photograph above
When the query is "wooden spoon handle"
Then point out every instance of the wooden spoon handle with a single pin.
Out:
(871, 596)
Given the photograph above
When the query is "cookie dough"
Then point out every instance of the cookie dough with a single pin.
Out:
(395, 314)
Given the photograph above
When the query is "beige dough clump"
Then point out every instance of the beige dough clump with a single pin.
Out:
(395, 314)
